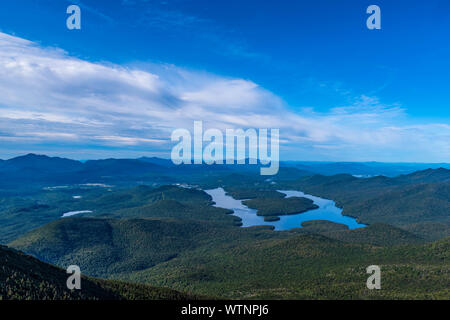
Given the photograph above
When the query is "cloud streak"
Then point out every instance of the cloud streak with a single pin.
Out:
(48, 97)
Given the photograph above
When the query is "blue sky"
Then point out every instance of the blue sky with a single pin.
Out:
(138, 69)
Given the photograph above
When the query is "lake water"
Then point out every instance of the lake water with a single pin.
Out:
(327, 211)
(73, 213)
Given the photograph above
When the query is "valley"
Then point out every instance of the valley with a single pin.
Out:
(167, 232)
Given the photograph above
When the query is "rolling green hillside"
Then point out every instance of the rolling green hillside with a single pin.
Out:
(175, 209)
(214, 259)
(431, 231)
(19, 215)
(376, 234)
(143, 195)
(110, 246)
(307, 267)
(412, 204)
(319, 226)
(23, 277)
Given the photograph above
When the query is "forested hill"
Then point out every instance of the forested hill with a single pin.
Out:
(23, 277)
(417, 202)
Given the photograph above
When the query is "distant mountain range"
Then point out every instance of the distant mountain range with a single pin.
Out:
(41, 169)
(54, 170)
(363, 169)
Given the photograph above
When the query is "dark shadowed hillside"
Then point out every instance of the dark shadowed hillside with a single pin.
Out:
(23, 277)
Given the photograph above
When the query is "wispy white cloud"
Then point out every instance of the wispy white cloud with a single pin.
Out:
(48, 97)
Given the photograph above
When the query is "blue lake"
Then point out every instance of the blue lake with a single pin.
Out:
(327, 211)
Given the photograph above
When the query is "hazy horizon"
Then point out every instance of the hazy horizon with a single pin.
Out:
(168, 158)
